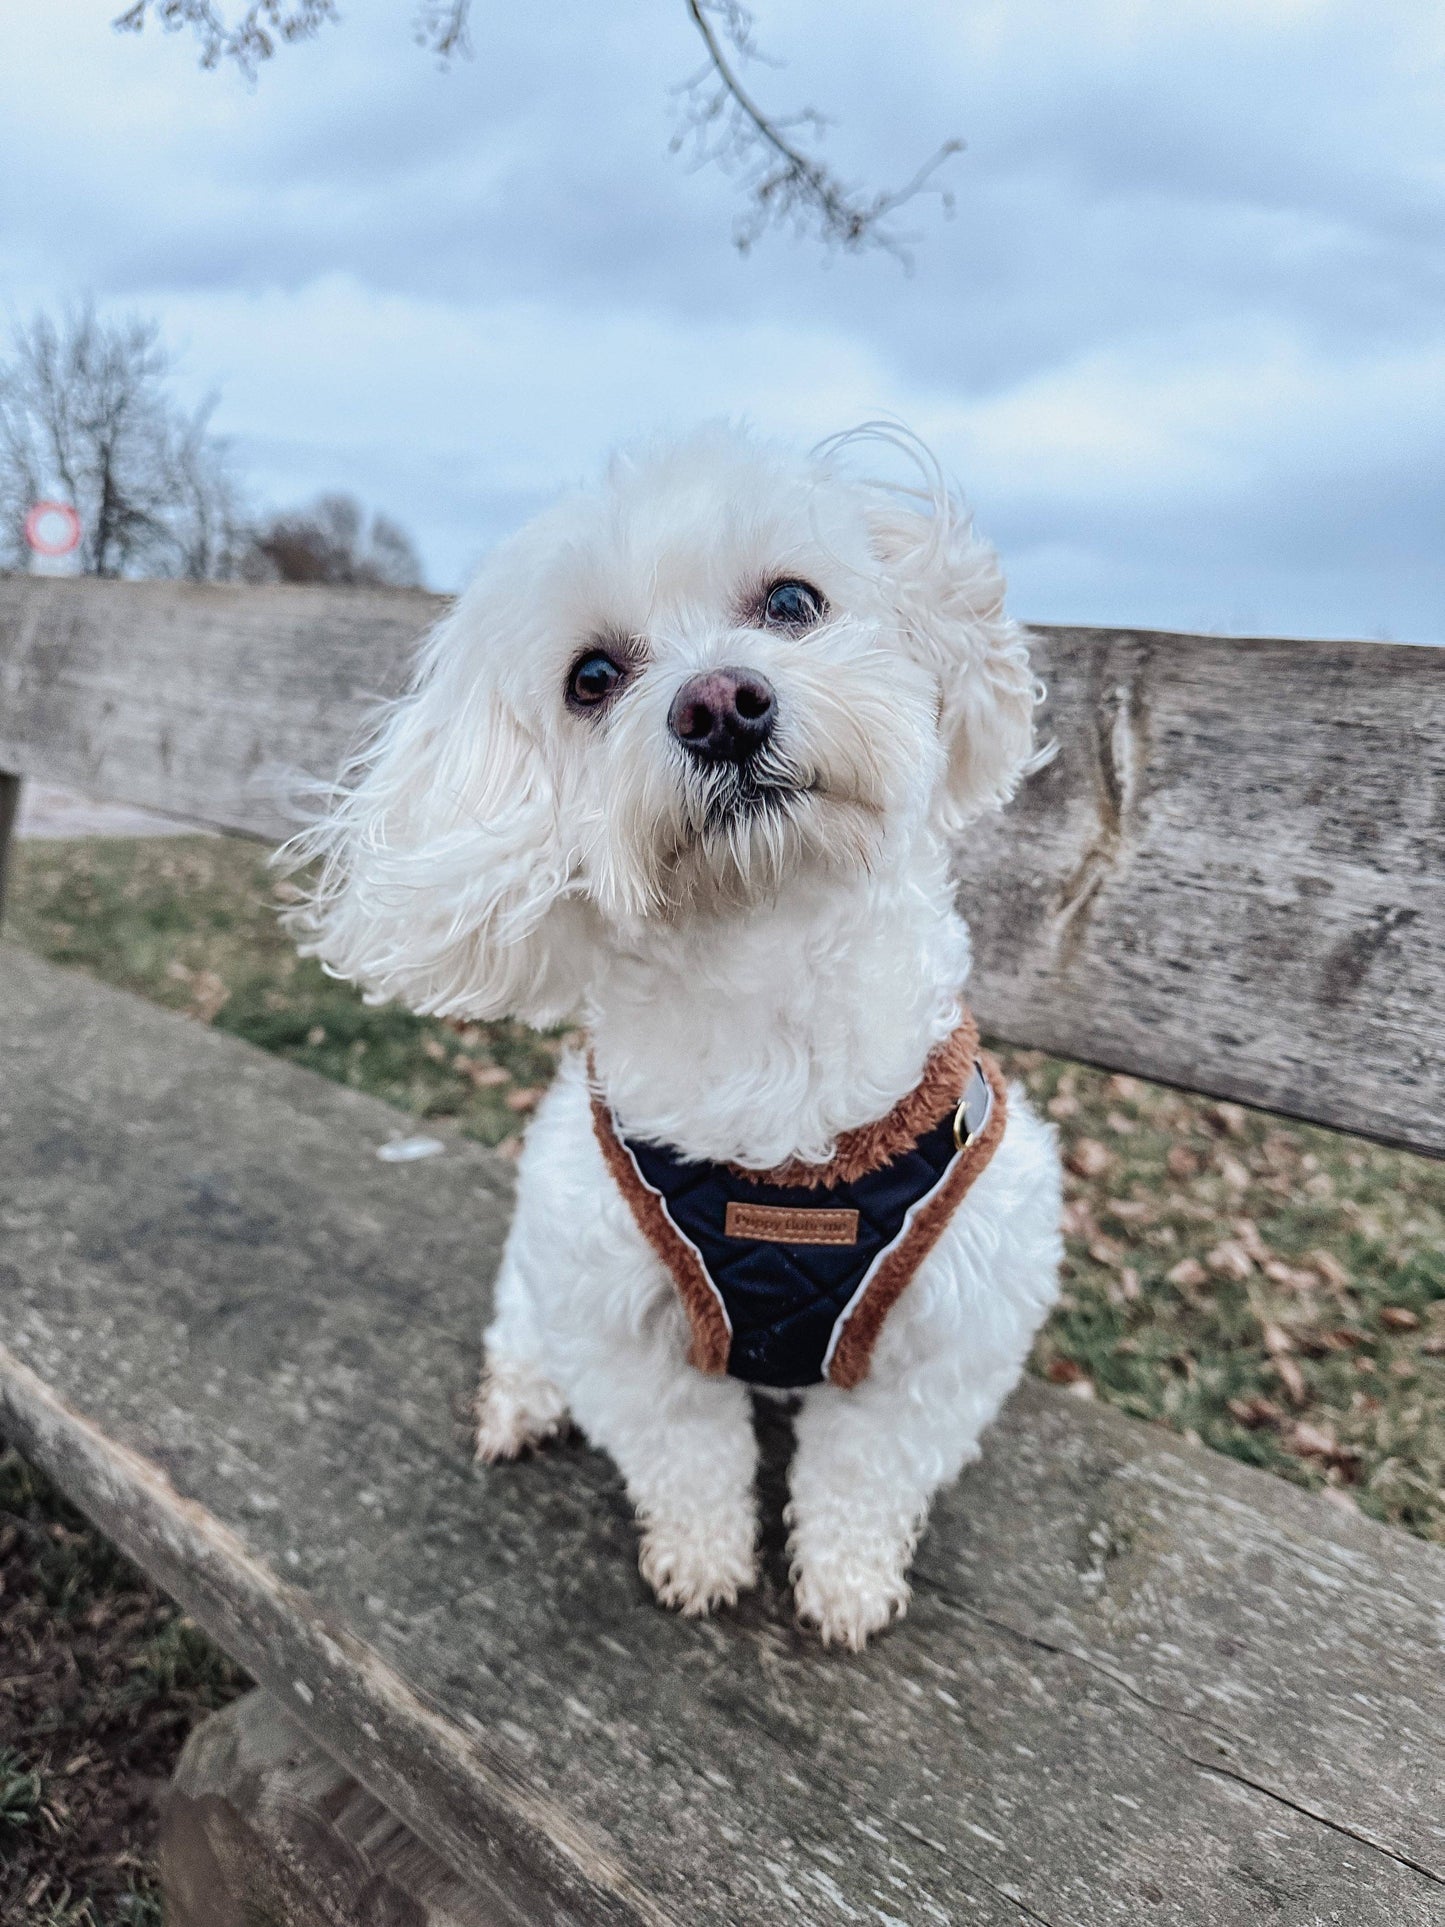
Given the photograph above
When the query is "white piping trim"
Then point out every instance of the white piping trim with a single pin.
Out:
(841, 1322)
(701, 1261)
(853, 1303)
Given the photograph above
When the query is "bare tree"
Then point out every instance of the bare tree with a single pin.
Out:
(86, 418)
(768, 154)
(331, 542)
(208, 527)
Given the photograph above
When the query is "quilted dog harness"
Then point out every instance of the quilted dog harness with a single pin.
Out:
(788, 1275)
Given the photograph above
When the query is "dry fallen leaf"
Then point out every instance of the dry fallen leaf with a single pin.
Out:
(1229, 1118)
(1189, 1273)
(1129, 1088)
(1078, 1218)
(1329, 1268)
(1088, 1158)
(1235, 1175)
(484, 1077)
(1230, 1259)
(1255, 1411)
(1063, 1104)
(316, 1036)
(1063, 1371)
(435, 1049)
(1182, 1162)
(208, 994)
(1247, 1232)
(1290, 1276)
(1292, 1379)
(1120, 1125)
(1105, 1251)
(1399, 1318)
(523, 1100)
(1277, 1340)
(1131, 1210)
(1312, 1438)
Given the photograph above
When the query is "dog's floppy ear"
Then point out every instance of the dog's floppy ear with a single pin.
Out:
(948, 590)
(443, 871)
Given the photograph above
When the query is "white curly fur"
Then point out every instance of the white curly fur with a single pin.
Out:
(753, 982)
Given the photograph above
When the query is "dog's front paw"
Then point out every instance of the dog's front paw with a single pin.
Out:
(516, 1407)
(848, 1594)
(695, 1567)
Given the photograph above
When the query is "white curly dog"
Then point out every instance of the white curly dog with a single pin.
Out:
(684, 766)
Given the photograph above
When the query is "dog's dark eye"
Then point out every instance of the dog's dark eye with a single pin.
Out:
(793, 605)
(593, 679)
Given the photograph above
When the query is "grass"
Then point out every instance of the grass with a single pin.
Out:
(1274, 1290)
(101, 1678)
(190, 922)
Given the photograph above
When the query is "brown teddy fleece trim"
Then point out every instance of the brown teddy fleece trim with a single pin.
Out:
(854, 1350)
(868, 1147)
(711, 1336)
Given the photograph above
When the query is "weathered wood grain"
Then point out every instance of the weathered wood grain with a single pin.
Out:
(259, 1828)
(1232, 877)
(1138, 1683)
(198, 700)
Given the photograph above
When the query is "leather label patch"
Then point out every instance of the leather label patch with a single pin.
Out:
(785, 1224)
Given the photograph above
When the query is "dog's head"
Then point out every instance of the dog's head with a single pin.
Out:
(722, 670)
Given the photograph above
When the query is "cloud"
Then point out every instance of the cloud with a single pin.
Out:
(1182, 341)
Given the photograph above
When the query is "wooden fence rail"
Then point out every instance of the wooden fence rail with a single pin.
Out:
(1232, 877)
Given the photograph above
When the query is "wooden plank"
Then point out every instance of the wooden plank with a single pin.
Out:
(1139, 1683)
(197, 700)
(1231, 878)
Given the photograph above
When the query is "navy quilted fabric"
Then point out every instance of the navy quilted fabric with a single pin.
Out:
(784, 1300)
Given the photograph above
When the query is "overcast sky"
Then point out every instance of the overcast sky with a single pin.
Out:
(1183, 344)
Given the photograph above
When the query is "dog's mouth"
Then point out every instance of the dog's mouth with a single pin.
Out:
(747, 828)
(740, 795)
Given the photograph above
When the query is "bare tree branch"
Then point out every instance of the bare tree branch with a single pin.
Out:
(249, 41)
(441, 26)
(786, 186)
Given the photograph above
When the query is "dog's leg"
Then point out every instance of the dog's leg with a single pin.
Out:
(869, 1461)
(858, 1501)
(685, 1445)
(517, 1404)
(866, 1466)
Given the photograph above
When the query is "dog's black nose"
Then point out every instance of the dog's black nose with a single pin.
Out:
(724, 716)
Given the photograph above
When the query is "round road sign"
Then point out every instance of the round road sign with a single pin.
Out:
(52, 528)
